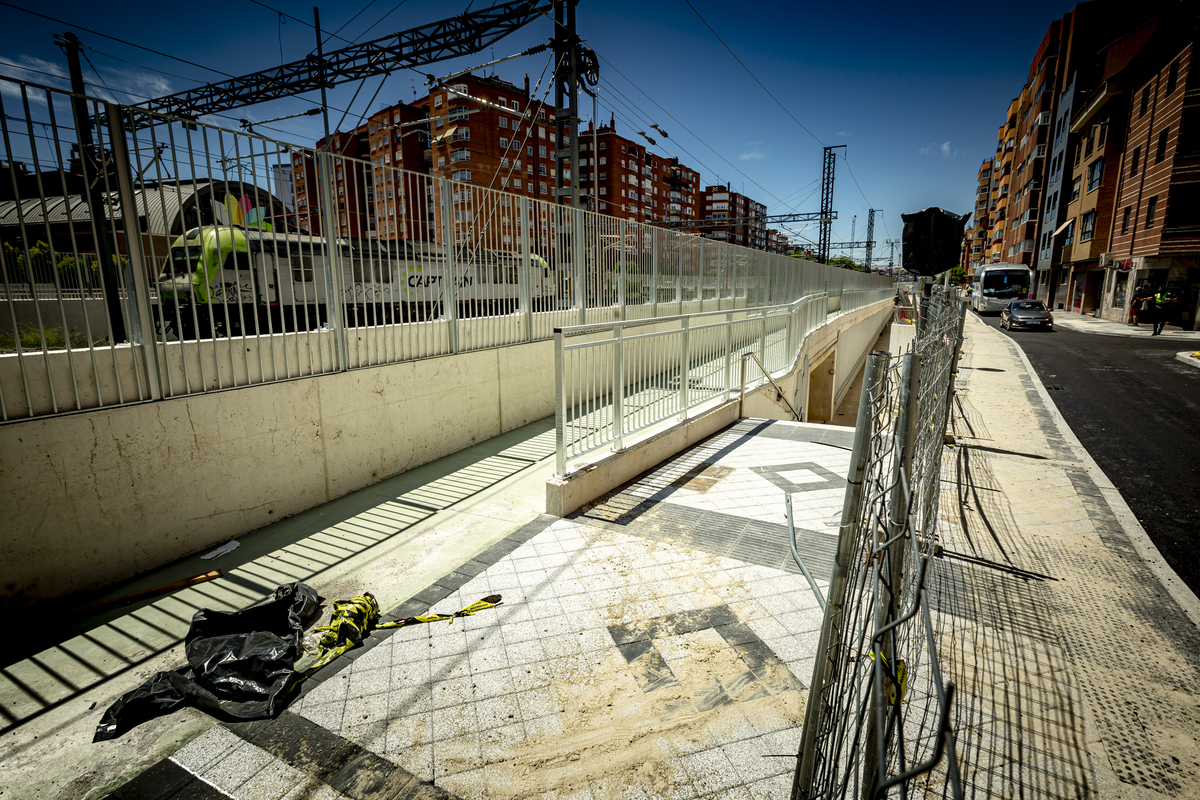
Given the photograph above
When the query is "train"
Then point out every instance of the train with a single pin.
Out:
(224, 280)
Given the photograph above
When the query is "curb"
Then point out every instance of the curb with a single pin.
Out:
(1186, 357)
(1145, 548)
(1070, 325)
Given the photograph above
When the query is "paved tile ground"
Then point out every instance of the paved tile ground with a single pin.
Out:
(652, 645)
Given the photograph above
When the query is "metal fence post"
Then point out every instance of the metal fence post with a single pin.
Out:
(728, 351)
(450, 276)
(526, 272)
(887, 607)
(654, 272)
(621, 298)
(618, 392)
(581, 291)
(335, 299)
(679, 282)
(872, 389)
(137, 276)
(958, 340)
(762, 343)
(560, 406)
(720, 274)
(700, 279)
(685, 369)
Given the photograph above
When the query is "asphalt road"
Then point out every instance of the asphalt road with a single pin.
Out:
(1137, 411)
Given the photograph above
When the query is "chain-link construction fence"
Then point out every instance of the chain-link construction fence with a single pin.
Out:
(878, 714)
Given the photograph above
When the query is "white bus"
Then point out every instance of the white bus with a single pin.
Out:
(995, 285)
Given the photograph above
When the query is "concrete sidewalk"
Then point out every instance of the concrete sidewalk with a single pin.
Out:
(1086, 323)
(659, 642)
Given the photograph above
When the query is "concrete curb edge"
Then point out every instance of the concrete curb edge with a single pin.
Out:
(1186, 357)
(1178, 590)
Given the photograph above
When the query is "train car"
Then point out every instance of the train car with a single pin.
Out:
(222, 280)
(995, 285)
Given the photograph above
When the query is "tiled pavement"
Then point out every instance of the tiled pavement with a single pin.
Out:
(655, 644)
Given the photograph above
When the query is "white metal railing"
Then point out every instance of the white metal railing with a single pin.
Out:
(614, 380)
(263, 261)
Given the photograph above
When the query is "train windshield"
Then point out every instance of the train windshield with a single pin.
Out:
(1003, 283)
(185, 259)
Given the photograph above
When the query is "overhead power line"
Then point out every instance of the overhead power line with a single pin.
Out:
(752, 75)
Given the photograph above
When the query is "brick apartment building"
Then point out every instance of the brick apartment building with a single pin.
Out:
(776, 242)
(722, 203)
(1096, 179)
(489, 133)
(623, 179)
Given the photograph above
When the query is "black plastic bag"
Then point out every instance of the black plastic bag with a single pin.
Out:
(932, 240)
(240, 665)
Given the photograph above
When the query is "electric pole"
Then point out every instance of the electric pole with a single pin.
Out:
(566, 102)
(93, 169)
(870, 234)
(827, 214)
(891, 243)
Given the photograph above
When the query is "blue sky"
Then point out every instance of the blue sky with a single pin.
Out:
(915, 92)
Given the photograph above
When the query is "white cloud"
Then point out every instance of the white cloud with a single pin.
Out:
(843, 133)
(923, 151)
(751, 155)
(946, 149)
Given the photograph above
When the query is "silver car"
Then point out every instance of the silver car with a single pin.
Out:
(1026, 314)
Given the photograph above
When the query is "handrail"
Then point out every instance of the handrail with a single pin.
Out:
(576, 330)
(742, 394)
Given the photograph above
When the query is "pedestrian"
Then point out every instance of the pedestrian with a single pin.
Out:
(1147, 307)
(1163, 300)
(1135, 306)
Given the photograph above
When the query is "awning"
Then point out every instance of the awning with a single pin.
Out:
(1063, 227)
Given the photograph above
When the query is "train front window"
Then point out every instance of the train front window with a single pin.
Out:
(1006, 283)
(185, 259)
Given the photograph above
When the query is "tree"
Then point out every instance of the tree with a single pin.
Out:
(958, 276)
(845, 262)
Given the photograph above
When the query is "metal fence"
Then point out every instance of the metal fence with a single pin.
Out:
(147, 257)
(614, 380)
(878, 717)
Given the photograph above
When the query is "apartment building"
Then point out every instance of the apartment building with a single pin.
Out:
(1063, 175)
(353, 189)
(623, 179)
(976, 237)
(397, 138)
(720, 202)
(777, 242)
(1155, 236)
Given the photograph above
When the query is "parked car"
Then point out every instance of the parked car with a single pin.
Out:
(1026, 314)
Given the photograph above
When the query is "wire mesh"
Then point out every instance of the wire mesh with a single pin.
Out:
(878, 713)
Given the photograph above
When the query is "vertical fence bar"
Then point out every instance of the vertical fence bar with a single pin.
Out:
(577, 251)
(333, 261)
(450, 275)
(618, 390)
(560, 406)
(684, 368)
(728, 352)
(654, 272)
(621, 274)
(141, 327)
(526, 273)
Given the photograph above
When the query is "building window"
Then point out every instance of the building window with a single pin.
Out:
(1125, 219)
(1087, 226)
(503, 143)
(1133, 161)
(1172, 76)
(1145, 102)
(460, 155)
(458, 112)
(442, 161)
(1091, 142)
(1075, 188)
(542, 186)
(1095, 173)
(437, 101)
(1161, 153)
(1151, 211)
(542, 151)
(460, 175)
(541, 169)
(517, 182)
(504, 122)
